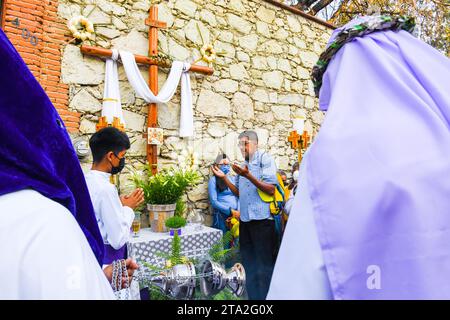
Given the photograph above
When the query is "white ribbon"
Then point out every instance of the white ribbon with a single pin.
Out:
(178, 70)
(111, 95)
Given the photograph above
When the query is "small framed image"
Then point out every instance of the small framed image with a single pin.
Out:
(155, 136)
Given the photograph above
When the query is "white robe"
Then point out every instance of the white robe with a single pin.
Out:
(45, 254)
(300, 272)
(114, 219)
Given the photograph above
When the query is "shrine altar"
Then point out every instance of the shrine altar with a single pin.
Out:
(196, 241)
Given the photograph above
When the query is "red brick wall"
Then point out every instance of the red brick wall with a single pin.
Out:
(2, 13)
(38, 20)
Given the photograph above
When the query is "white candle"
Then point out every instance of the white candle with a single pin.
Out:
(299, 124)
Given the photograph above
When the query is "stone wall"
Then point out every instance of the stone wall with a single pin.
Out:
(261, 80)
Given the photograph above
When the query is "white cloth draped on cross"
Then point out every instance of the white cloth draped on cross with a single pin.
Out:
(178, 70)
(111, 93)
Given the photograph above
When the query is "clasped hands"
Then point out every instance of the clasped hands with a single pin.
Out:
(134, 199)
(242, 171)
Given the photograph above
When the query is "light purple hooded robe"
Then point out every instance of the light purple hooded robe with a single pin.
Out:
(379, 171)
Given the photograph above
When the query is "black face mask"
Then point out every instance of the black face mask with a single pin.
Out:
(116, 170)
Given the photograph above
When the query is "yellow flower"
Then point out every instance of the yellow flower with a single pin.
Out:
(235, 230)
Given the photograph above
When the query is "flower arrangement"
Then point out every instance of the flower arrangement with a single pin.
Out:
(81, 28)
(188, 159)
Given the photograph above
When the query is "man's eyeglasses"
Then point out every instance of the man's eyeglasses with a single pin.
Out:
(117, 156)
(243, 143)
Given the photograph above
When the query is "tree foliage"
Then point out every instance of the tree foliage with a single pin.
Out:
(432, 16)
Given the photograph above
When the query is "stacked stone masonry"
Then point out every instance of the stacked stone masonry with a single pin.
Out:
(261, 79)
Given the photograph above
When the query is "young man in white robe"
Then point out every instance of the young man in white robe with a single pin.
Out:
(114, 214)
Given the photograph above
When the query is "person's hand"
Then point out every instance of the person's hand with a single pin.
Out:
(235, 214)
(131, 267)
(239, 170)
(217, 172)
(108, 272)
(134, 199)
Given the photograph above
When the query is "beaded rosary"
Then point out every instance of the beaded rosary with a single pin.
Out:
(119, 274)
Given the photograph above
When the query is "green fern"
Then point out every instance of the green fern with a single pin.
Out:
(217, 253)
(176, 250)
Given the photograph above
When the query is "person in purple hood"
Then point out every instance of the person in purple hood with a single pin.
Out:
(371, 220)
(50, 242)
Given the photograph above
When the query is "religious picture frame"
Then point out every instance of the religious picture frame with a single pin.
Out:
(155, 136)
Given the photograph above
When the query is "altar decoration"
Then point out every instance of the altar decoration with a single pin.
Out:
(163, 189)
(81, 28)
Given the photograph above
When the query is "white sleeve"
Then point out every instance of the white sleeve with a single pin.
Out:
(59, 264)
(117, 219)
(300, 272)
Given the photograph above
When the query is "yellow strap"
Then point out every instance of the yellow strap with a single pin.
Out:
(110, 99)
(264, 196)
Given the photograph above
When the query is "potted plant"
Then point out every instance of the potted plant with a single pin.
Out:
(164, 189)
(175, 224)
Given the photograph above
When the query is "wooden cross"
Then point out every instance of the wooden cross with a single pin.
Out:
(299, 142)
(152, 119)
(294, 139)
(305, 139)
(102, 123)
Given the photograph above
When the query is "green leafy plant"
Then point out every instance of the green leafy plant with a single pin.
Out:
(175, 222)
(167, 186)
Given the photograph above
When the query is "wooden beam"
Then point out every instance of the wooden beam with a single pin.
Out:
(102, 52)
(152, 118)
(320, 5)
(300, 13)
(156, 24)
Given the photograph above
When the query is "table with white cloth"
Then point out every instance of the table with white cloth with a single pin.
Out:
(196, 241)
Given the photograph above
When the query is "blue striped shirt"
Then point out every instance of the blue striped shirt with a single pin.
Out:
(262, 167)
